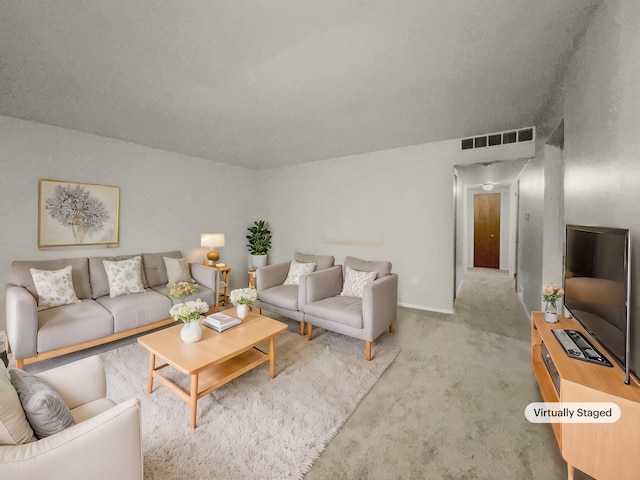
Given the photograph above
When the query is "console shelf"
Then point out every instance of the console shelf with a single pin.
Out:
(605, 451)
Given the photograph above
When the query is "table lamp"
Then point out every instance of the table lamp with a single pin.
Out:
(211, 241)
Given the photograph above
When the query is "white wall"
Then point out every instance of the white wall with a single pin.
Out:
(394, 204)
(530, 234)
(166, 199)
(602, 121)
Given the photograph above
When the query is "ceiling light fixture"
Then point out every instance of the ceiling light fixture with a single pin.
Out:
(487, 187)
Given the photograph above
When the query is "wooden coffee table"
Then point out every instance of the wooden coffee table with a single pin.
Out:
(215, 360)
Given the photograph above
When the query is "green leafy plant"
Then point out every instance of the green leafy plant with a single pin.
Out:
(259, 238)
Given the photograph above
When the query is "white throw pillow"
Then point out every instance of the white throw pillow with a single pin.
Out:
(355, 282)
(124, 276)
(54, 287)
(295, 270)
(178, 270)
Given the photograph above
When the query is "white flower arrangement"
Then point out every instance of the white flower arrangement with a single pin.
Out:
(243, 296)
(188, 311)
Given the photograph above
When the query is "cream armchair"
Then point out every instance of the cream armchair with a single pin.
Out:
(105, 443)
(360, 300)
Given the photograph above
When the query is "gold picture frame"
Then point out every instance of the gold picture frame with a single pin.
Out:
(74, 214)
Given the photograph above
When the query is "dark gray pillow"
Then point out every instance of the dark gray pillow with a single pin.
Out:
(46, 411)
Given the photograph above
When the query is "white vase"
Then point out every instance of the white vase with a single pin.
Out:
(550, 312)
(242, 310)
(258, 261)
(191, 332)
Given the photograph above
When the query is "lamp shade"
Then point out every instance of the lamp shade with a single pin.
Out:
(212, 240)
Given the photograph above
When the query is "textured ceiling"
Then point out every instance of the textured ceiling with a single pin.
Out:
(267, 83)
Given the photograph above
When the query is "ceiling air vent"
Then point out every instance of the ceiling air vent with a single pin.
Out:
(499, 138)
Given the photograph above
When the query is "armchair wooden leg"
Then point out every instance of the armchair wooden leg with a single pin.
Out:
(259, 311)
(301, 328)
(391, 329)
(368, 350)
(309, 331)
(20, 364)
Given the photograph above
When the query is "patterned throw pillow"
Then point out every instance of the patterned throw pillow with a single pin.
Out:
(355, 282)
(124, 276)
(295, 270)
(54, 287)
(45, 409)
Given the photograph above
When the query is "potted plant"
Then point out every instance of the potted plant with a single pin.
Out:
(259, 243)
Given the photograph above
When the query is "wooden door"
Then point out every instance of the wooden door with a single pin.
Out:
(486, 230)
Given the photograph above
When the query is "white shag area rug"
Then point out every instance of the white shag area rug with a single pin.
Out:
(253, 427)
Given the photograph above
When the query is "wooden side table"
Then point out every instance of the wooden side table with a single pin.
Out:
(252, 277)
(224, 294)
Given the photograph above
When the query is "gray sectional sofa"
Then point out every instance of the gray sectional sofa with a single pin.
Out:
(99, 316)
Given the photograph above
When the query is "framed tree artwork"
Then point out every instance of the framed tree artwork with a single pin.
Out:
(76, 214)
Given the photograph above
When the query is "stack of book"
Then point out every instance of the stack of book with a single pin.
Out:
(220, 321)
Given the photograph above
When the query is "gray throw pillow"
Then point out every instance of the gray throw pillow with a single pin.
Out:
(45, 409)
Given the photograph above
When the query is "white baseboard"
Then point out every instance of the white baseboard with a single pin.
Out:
(427, 309)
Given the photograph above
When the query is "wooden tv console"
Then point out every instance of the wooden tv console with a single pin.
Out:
(605, 451)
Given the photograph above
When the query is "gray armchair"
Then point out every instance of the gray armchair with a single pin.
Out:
(286, 300)
(364, 317)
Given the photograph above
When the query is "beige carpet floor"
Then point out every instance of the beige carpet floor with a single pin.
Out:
(252, 427)
(451, 407)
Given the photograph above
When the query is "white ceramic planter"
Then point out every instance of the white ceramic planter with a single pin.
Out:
(191, 332)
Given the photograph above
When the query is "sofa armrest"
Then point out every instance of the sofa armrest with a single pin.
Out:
(379, 305)
(271, 275)
(206, 276)
(22, 322)
(106, 446)
(78, 382)
(322, 284)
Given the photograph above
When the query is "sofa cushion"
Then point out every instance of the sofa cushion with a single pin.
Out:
(124, 276)
(322, 261)
(283, 296)
(14, 427)
(46, 411)
(177, 270)
(344, 310)
(98, 275)
(136, 310)
(21, 274)
(295, 270)
(383, 268)
(60, 327)
(355, 281)
(54, 287)
(205, 294)
(154, 267)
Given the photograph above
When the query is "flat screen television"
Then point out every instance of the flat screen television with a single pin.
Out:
(596, 286)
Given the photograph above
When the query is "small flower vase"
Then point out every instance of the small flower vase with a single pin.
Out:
(191, 332)
(550, 312)
(242, 310)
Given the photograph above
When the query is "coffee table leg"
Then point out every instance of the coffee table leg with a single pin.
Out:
(193, 401)
(152, 365)
(272, 356)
